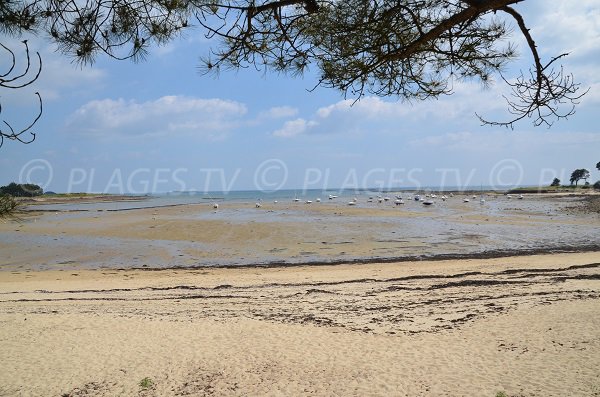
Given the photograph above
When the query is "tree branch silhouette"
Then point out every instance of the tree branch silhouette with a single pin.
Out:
(15, 80)
(409, 49)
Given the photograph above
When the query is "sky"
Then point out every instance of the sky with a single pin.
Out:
(159, 125)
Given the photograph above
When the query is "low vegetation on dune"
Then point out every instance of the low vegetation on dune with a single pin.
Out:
(8, 206)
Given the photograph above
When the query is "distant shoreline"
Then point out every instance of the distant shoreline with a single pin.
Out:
(68, 198)
(592, 199)
(579, 190)
(80, 198)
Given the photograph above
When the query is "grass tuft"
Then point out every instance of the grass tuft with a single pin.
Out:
(146, 383)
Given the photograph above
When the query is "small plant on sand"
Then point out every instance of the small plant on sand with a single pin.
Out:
(501, 394)
(146, 383)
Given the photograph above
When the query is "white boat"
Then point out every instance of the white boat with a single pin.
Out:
(466, 200)
(520, 197)
(417, 197)
(428, 202)
(351, 202)
(318, 200)
(399, 202)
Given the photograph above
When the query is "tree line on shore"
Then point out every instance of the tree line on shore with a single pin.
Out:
(577, 175)
(21, 190)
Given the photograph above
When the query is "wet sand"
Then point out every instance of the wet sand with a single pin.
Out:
(196, 235)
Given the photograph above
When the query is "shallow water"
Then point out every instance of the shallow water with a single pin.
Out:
(292, 233)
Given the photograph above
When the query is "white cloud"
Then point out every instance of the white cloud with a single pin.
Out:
(372, 114)
(211, 118)
(294, 127)
(565, 26)
(278, 112)
(371, 107)
(343, 117)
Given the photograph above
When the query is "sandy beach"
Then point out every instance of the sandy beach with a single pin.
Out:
(299, 198)
(528, 326)
(99, 303)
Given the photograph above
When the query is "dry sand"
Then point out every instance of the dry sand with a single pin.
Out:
(529, 326)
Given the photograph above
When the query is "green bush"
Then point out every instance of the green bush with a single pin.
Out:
(8, 205)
